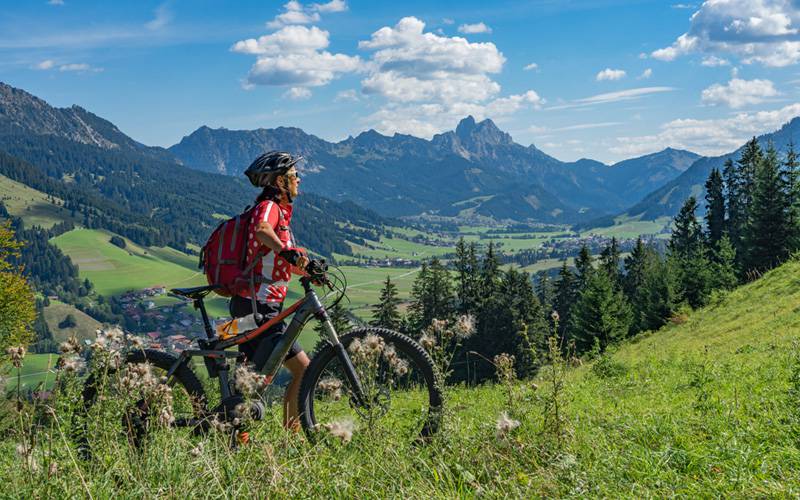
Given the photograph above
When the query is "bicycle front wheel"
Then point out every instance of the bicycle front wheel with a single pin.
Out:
(401, 394)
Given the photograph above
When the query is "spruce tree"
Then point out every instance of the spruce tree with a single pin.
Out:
(723, 268)
(658, 296)
(791, 176)
(583, 266)
(601, 314)
(688, 252)
(385, 312)
(490, 273)
(467, 282)
(431, 295)
(566, 291)
(544, 290)
(734, 225)
(767, 232)
(715, 208)
(637, 266)
(748, 164)
(610, 261)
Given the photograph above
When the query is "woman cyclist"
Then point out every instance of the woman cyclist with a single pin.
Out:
(271, 237)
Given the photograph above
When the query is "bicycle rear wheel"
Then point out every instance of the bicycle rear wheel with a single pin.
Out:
(401, 389)
(129, 401)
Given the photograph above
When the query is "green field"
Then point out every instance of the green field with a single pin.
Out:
(31, 205)
(85, 327)
(626, 227)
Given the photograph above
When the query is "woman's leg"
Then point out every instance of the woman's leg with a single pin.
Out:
(297, 367)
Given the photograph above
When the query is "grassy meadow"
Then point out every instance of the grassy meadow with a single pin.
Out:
(706, 407)
(29, 204)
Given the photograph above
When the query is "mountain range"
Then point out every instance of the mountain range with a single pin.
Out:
(143, 192)
(475, 169)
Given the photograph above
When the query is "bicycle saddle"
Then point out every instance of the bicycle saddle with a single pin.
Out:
(194, 293)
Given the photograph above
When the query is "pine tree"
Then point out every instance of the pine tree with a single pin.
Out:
(791, 174)
(490, 273)
(658, 294)
(767, 232)
(748, 165)
(385, 312)
(600, 315)
(723, 268)
(715, 208)
(566, 291)
(637, 266)
(544, 290)
(734, 225)
(610, 261)
(688, 252)
(583, 267)
(431, 295)
(468, 286)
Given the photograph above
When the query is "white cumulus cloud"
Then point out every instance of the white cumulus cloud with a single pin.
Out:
(332, 6)
(647, 73)
(295, 56)
(346, 95)
(755, 31)
(610, 74)
(431, 81)
(714, 61)
(530, 67)
(297, 94)
(738, 93)
(707, 137)
(471, 29)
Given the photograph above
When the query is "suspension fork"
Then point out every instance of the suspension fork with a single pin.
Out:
(344, 358)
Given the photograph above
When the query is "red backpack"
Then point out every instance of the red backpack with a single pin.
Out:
(224, 256)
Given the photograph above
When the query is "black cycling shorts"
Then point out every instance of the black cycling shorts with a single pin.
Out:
(258, 349)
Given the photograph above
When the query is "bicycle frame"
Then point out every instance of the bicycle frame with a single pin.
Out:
(215, 356)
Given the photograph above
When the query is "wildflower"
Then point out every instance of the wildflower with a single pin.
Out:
(248, 382)
(374, 344)
(220, 425)
(73, 364)
(438, 325)
(342, 430)
(136, 343)
(505, 425)
(390, 353)
(17, 354)
(465, 326)
(400, 366)
(329, 384)
(554, 316)
(197, 450)
(53, 469)
(114, 335)
(504, 364)
(165, 417)
(427, 341)
(70, 346)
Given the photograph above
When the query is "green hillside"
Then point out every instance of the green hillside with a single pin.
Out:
(31, 205)
(706, 407)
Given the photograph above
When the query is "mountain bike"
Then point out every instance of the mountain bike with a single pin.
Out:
(372, 378)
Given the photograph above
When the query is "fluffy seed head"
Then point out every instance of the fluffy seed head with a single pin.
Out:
(342, 430)
(465, 326)
(70, 346)
(17, 354)
(505, 425)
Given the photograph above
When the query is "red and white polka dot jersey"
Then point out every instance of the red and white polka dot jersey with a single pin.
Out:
(274, 269)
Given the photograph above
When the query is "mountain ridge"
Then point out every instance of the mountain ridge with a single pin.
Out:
(476, 159)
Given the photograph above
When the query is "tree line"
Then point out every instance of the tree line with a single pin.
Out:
(751, 224)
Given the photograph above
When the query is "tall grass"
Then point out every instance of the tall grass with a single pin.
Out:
(705, 408)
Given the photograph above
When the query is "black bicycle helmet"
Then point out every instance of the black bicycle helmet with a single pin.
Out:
(273, 162)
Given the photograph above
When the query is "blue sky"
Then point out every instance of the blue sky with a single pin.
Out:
(602, 79)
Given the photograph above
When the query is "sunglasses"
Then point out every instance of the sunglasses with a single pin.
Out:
(293, 175)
